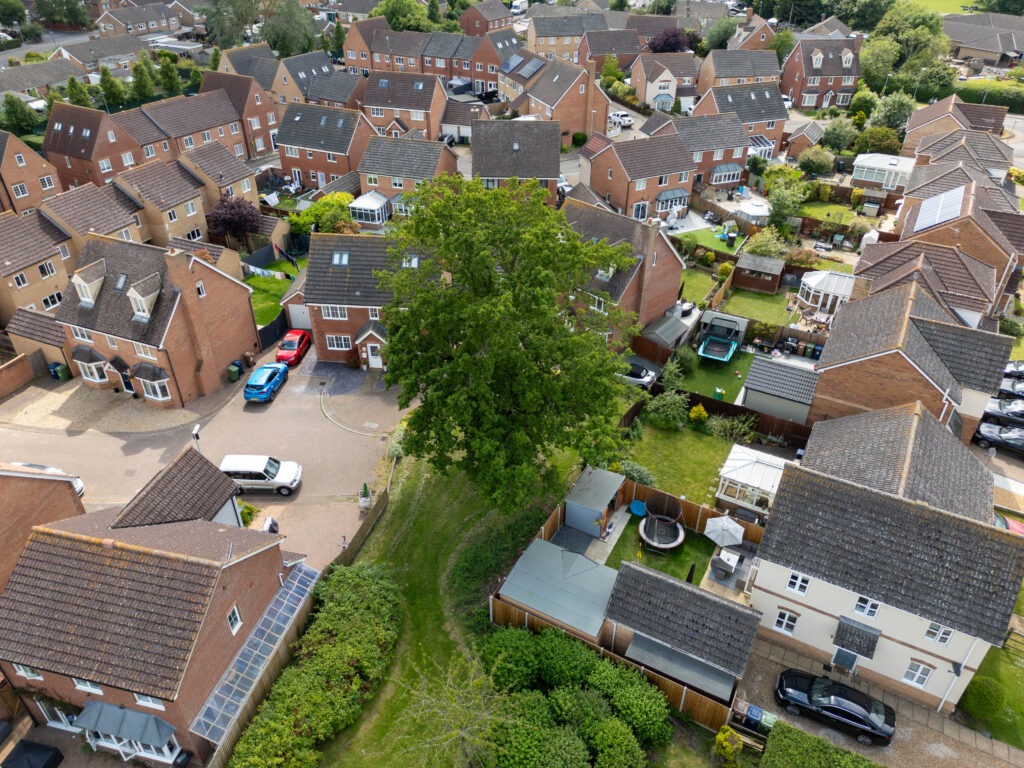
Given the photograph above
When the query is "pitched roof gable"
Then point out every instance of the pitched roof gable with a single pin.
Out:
(655, 156)
(830, 53)
(349, 278)
(26, 241)
(37, 326)
(742, 63)
(73, 130)
(88, 208)
(313, 127)
(408, 158)
(528, 149)
(752, 102)
(976, 116)
(400, 90)
(163, 185)
(554, 81)
(789, 382)
(217, 162)
(183, 115)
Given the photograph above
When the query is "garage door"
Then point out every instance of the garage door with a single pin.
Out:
(298, 316)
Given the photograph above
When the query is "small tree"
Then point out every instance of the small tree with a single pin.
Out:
(32, 32)
(610, 69)
(816, 161)
(11, 12)
(698, 415)
(839, 134)
(234, 217)
(756, 165)
(669, 40)
(785, 200)
(864, 100)
(724, 270)
(19, 118)
(328, 214)
(728, 746)
(215, 58)
(893, 111)
(677, 107)
(113, 91)
(168, 76)
(767, 242)
(720, 32)
(783, 44)
(142, 83)
(77, 94)
(878, 139)
(338, 38)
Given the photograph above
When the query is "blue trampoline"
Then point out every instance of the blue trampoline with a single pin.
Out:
(720, 340)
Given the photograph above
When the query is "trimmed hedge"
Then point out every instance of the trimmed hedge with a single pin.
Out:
(1006, 93)
(791, 748)
(343, 655)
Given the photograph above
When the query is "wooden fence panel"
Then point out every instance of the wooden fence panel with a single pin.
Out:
(790, 433)
(348, 554)
(552, 524)
(694, 516)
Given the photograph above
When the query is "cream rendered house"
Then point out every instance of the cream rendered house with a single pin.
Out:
(881, 558)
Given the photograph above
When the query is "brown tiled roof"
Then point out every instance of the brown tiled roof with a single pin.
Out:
(388, 41)
(41, 75)
(218, 163)
(79, 130)
(492, 10)
(678, 64)
(930, 180)
(183, 115)
(161, 184)
(237, 87)
(981, 149)
(554, 81)
(400, 90)
(654, 156)
(37, 326)
(144, 13)
(26, 240)
(831, 52)
(189, 488)
(618, 42)
(985, 117)
(1011, 226)
(139, 126)
(88, 208)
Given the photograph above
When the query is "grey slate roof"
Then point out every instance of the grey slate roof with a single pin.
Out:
(974, 357)
(495, 155)
(182, 115)
(657, 155)
(304, 67)
(594, 223)
(811, 129)
(41, 75)
(189, 488)
(91, 51)
(353, 284)
(857, 637)
(243, 58)
(752, 102)
(313, 127)
(980, 148)
(219, 163)
(699, 623)
(830, 27)
(399, 90)
(492, 10)
(831, 57)
(88, 208)
(143, 13)
(742, 63)
(984, 117)
(337, 87)
(112, 312)
(679, 65)
(163, 185)
(409, 158)
(139, 126)
(554, 81)
(348, 182)
(903, 451)
(26, 241)
(37, 326)
(622, 43)
(942, 567)
(1011, 225)
(929, 180)
(571, 26)
(505, 42)
(777, 378)
(763, 264)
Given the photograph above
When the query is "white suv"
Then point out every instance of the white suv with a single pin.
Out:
(621, 119)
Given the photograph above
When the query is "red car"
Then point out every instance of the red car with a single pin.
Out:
(293, 346)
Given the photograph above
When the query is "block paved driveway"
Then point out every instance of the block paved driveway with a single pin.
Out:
(331, 419)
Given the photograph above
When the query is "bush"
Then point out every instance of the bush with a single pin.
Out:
(709, 258)
(824, 193)
(396, 449)
(668, 410)
(984, 698)
(725, 269)
(1016, 174)
(788, 747)
(562, 660)
(736, 429)
(34, 56)
(582, 710)
(32, 32)
(637, 472)
(510, 659)
(687, 243)
(856, 196)
(1011, 327)
(728, 746)
(338, 662)
(248, 513)
(516, 741)
(698, 415)
(756, 165)
(639, 704)
(617, 747)
(579, 138)
(816, 161)
(685, 360)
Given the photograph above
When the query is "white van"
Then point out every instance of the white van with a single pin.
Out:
(262, 473)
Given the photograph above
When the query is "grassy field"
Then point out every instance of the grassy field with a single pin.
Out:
(697, 284)
(707, 239)
(709, 374)
(768, 308)
(696, 551)
(685, 463)
(833, 266)
(1008, 669)
(946, 6)
(815, 209)
(1017, 353)
(267, 291)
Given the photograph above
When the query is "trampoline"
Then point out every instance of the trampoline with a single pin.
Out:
(720, 340)
(661, 532)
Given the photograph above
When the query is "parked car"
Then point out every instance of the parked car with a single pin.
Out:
(265, 381)
(564, 187)
(1011, 524)
(1014, 369)
(787, 102)
(638, 375)
(293, 347)
(1004, 412)
(1006, 439)
(262, 473)
(621, 119)
(447, 139)
(76, 481)
(1011, 388)
(836, 704)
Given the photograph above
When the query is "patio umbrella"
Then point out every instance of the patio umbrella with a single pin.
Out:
(31, 754)
(724, 531)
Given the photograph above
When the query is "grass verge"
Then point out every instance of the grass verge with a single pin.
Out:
(696, 551)
(1008, 668)
(768, 308)
(687, 461)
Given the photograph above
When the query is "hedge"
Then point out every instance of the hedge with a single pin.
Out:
(1007, 93)
(791, 748)
(339, 660)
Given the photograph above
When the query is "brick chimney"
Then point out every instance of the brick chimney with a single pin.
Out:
(750, 13)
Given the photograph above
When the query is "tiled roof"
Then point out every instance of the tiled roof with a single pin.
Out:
(594, 223)
(522, 148)
(91, 51)
(139, 126)
(979, 148)
(337, 87)
(358, 7)
(831, 52)
(112, 312)
(264, 72)
(189, 488)
(975, 358)
(351, 284)
(679, 65)
(404, 43)
(650, 25)
(752, 102)
(831, 26)
(975, 201)
(163, 185)
(554, 81)
(618, 42)
(306, 66)
(408, 158)
(237, 87)
(742, 63)
(855, 636)
(710, 132)
(462, 112)
(143, 13)
(938, 566)
(505, 42)
(196, 247)
(684, 617)
(42, 75)
(572, 26)
(983, 117)
(492, 10)
(400, 90)
(37, 326)
(26, 241)
(657, 155)
(1011, 226)
(313, 127)
(182, 115)
(656, 121)
(348, 182)
(79, 129)
(119, 608)
(243, 57)
(811, 129)
(903, 451)
(218, 163)
(88, 208)
(998, 33)
(442, 44)
(929, 180)
(779, 379)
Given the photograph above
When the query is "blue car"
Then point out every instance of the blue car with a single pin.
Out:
(265, 381)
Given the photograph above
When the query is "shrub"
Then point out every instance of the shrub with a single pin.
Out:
(617, 747)
(581, 709)
(736, 429)
(395, 448)
(816, 161)
(687, 243)
(517, 739)
(824, 193)
(709, 258)
(788, 747)
(1011, 327)
(685, 360)
(248, 513)
(728, 746)
(637, 472)
(725, 269)
(984, 698)
(510, 659)
(756, 165)
(668, 410)
(639, 704)
(32, 32)
(698, 415)
(562, 748)
(1016, 174)
(33, 56)
(338, 662)
(856, 196)
(562, 660)
(579, 138)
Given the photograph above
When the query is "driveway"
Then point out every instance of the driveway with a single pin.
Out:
(331, 419)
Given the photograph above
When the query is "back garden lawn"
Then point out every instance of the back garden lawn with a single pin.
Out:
(267, 291)
(684, 462)
(708, 374)
(768, 308)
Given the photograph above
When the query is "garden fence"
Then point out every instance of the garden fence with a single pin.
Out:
(694, 516)
(786, 432)
(555, 521)
(348, 554)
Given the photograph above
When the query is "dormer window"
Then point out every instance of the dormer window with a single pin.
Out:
(142, 295)
(139, 306)
(847, 58)
(816, 59)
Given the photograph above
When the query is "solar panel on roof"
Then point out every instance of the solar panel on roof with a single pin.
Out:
(531, 67)
(513, 61)
(938, 209)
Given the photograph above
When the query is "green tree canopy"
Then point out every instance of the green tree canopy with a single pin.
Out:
(815, 161)
(338, 39)
(864, 100)
(802, 13)
(214, 59)
(839, 134)
(404, 15)
(862, 15)
(767, 242)
(720, 32)
(113, 90)
(19, 117)
(77, 93)
(226, 21)
(916, 31)
(499, 343)
(292, 30)
(783, 43)
(167, 74)
(11, 12)
(1012, 7)
(785, 198)
(893, 111)
(142, 82)
(878, 57)
(70, 12)
(878, 139)
(328, 214)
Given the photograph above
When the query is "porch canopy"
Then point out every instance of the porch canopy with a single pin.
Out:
(124, 723)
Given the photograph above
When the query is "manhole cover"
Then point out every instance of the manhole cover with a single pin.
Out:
(370, 424)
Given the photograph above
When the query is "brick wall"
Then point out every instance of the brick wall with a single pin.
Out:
(15, 374)
(30, 501)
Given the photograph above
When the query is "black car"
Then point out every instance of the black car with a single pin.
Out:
(1009, 412)
(1014, 369)
(1006, 439)
(836, 704)
(1012, 389)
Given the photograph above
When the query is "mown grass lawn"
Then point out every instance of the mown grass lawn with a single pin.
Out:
(267, 291)
(707, 239)
(684, 463)
(708, 374)
(815, 209)
(1017, 353)
(696, 551)
(768, 308)
(697, 284)
(1008, 668)
(827, 265)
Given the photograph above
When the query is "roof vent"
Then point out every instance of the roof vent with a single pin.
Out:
(297, 117)
(515, 146)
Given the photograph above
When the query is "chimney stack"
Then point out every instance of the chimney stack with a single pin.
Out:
(750, 13)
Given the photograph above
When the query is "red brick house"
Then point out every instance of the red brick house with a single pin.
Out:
(661, 78)
(139, 20)
(34, 260)
(569, 94)
(344, 298)
(759, 108)
(400, 51)
(753, 33)
(398, 102)
(125, 678)
(359, 41)
(726, 66)
(341, 90)
(256, 113)
(87, 145)
(154, 323)
(25, 177)
(649, 285)
(320, 144)
(393, 167)
(821, 72)
(521, 149)
(643, 178)
(718, 144)
(186, 122)
(485, 16)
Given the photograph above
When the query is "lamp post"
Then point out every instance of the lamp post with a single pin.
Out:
(195, 437)
(919, 76)
(886, 82)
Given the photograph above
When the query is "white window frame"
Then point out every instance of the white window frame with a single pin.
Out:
(80, 334)
(234, 620)
(127, 159)
(200, 289)
(29, 673)
(641, 184)
(189, 142)
(798, 583)
(172, 215)
(246, 185)
(20, 281)
(87, 686)
(144, 351)
(46, 182)
(52, 301)
(339, 342)
(64, 251)
(785, 621)
(865, 606)
(156, 390)
(20, 190)
(19, 158)
(917, 674)
(148, 701)
(938, 633)
(333, 312)
(190, 207)
(46, 270)
(93, 371)
(374, 313)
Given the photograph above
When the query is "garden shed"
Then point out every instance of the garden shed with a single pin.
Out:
(748, 481)
(825, 291)
(779, 388)
(592, 500)
(758, 273)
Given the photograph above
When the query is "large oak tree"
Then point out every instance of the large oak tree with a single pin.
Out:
(490, 331)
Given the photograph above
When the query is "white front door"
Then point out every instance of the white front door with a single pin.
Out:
(373, 355)
(320, 178)
(826, 100)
